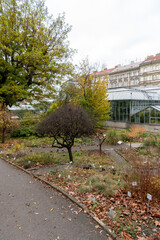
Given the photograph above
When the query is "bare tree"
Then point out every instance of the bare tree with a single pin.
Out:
(66, 124)
(101, 136)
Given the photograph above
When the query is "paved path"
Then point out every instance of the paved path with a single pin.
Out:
(31, 210)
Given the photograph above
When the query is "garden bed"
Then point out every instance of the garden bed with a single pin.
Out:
(93, 181)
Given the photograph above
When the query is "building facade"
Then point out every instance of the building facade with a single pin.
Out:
(135, 74)
(125, 76)
(150, 70)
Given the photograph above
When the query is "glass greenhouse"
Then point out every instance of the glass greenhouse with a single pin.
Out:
(135, 105)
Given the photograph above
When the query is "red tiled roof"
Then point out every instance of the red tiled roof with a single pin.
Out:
(103, 72)
(152, 58)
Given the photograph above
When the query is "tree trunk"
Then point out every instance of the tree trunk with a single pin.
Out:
(70, 154)
(100, 148)
(3, 135)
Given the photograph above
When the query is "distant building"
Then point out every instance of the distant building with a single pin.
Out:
(150, 70)
(135, 74)
(125, 76)
(135, 105)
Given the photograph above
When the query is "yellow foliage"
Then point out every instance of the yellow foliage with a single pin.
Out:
(94, 97)
(17, 146)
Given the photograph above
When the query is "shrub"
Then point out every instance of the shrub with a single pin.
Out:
(151, 141)
(134, 133)
(23, 132)
(147, 178)
(29, 119)
(112, 137)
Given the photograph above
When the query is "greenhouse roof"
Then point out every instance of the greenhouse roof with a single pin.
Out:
(132, 94)
(157, 107)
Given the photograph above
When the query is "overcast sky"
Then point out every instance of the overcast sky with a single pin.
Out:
(111, 31)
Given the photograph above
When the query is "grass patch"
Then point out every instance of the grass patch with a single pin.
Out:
(35, 159)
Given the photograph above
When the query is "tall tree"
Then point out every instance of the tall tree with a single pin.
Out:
(34, 51)
(88, 91)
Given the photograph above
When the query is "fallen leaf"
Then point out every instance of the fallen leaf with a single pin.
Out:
(51, 209)
(157, 223)
(126, 212)
(141, 238)
(127, 236)
(97, 226)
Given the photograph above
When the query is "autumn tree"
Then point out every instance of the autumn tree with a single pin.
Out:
(89, 92)
(64, 125)
(7, 121)
(133, 133)
(34, 51)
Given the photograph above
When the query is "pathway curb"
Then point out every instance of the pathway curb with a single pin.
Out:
(105, 228)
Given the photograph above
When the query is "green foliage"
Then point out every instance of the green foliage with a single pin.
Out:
(23, 132)
(84, 140)
(95, 204)
(103, 184)
(33, 159)
(112, 137)
(151, 141)
(83, 188)
(34, 52)
(29, 119)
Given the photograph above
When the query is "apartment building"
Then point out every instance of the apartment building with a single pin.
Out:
(150, 70)
(135, 74)
(125, 76)
(104, 74)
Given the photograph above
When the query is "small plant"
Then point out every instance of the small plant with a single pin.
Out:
(151, 141)
(83, 188)
(101, 136)
(112, 137)
(95, 204)
(17, 146)
(146, 178)
(103, 184)
(54, 171)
